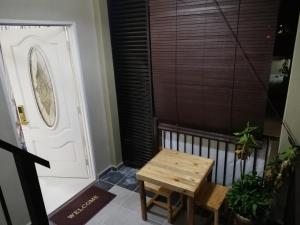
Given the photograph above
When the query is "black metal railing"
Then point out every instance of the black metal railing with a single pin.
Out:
(216, 146)
(25, 163)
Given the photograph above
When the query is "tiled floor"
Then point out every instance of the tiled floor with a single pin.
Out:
(123, 177)
(124, 209)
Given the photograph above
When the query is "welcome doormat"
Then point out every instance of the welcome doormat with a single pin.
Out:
(83, 207)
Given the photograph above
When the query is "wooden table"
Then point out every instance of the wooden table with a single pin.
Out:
(176, 171)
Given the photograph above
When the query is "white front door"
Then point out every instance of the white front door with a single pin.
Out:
(41, 74)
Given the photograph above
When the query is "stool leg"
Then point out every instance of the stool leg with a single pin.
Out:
(170, 210)
(209, 177)
(190, 210)
(181, 199)
(143, 200)
(216, 217)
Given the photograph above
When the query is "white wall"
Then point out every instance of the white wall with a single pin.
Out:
(97, 72)
(9, 179)
(2, 219)
(94, 65)
(292, 108)
(105, 52)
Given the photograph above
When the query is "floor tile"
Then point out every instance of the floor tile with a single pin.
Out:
(182, 218)
(104, 185)
(109, 210)
(124, 217)
(149, 222)
(112, 177)
(128, 171)
(133, 202)
(157, 214)
(107, 171)
(129, 182)
(122, 194)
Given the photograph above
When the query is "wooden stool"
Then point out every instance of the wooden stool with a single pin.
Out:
(211, 197)
(159, 191)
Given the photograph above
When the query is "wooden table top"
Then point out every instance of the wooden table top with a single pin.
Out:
(176, 171)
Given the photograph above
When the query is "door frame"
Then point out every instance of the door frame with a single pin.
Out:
(78, 78)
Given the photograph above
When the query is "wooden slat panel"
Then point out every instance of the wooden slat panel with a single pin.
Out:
(130, 45)
(201, 78)
(205, 74)
(256, 34)
(163, 50)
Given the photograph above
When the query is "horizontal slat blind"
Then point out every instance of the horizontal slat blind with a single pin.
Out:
(163, 50)
(129, 37)
(200, 75)
(257, 35)
(205, 63)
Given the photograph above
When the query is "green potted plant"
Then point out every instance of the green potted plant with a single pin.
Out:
(278, 173)
(245, 145)
(250, 199)
(281, 166)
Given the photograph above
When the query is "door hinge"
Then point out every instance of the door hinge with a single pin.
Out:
(86, 162)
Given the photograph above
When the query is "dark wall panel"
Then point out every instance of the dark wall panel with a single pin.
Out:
(201, 76)
(163, 50)
(131, 55)
(256, 34)
(205, 64)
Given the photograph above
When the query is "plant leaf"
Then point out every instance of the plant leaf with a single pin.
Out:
(254, 209)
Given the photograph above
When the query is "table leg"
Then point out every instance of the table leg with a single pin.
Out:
(209, 177)
(143, 200)
(190, 210)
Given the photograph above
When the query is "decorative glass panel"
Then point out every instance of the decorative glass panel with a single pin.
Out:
(42, 85)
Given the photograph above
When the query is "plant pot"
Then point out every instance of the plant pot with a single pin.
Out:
(240, 220)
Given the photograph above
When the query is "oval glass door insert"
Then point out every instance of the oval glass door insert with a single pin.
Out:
(42, 85)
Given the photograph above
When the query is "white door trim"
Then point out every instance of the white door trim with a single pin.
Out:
(72, 32)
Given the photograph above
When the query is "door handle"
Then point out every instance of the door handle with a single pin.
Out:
(22, 116)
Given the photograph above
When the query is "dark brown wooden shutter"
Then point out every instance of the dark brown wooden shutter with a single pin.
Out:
(256, 34)
(130, 46)
(205, 64)
(163, 50)
(201, 78)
